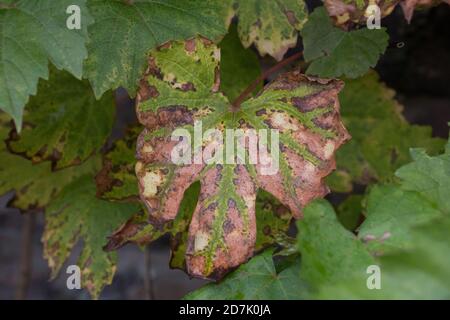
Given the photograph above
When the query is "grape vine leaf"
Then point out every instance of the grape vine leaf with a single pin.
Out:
(390, 214)
(124, 32)
(347, 12)
(75, 215)
(257, 279)
(408, 6)
(407, 224)
(422, 196)
(35, 184)
(239, 68)
(32, 33)
(381, 137)
(116, 180)
(429, 176)
(271, 25)
(418, 273)
(334, 52)
(303, 111)
(330, 253)
(273, 221)
(64, 122)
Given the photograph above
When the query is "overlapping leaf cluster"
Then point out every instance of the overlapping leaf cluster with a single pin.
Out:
(51, 151)
(110, 48)
(405, 234)
(179, 90)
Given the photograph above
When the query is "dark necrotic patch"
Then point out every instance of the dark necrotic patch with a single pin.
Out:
(174, 116)
(231, 203)
(189, 86)
(228, 226)
(261, 112)
(323, 125)
(212, 206)
(267, 230)
(320, 99)
(147, 91)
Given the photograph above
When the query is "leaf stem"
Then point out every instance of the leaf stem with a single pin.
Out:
(237, 103)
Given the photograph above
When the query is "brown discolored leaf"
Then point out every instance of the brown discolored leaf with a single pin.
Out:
(345, 13)
(408, 6)
(303, 111)
(348, 12)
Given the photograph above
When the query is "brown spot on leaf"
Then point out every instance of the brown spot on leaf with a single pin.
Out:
(189, 86)
(291, 17)
(189, 45)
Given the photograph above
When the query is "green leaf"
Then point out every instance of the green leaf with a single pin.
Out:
(35, 184)
(419, 273)
(64, 122)
(257, 279)
(381, 137)
(429, 176)
(33, 32)
(239, 67)
(124, 33)
(408, 224)
(330, 253)
(272, 26)
(335, 53)
(391, 213)
(179, 90)
(422, 196)
(77, 215)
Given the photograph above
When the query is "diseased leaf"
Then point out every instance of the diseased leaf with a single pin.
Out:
(64, 123)
(272, 220)
(305, 113)
(77, 215)
(239, 67)
(347, 12)
(32, 32)
(124, 32)
(408, 6)
(381, 137)
(117, 180)
(138, 230)
(272, 26)
(35, 184)
(335, 53)
(257, 279)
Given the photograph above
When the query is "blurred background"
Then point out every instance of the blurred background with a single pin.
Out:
(416, 65)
